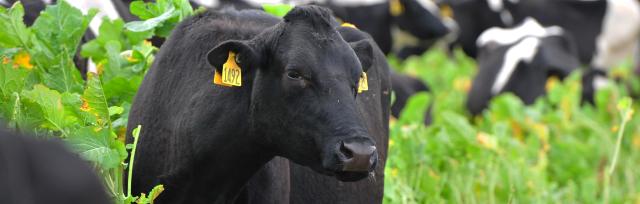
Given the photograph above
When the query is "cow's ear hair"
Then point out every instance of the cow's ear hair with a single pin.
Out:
(364, 51)
(559, 59)
(245, 54)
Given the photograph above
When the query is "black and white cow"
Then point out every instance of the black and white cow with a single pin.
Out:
(298, 99)
(519, 60)
(38, 171)
(605, 31)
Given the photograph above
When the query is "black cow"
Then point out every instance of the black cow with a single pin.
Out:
(308, 186)
(605, 31)
(404, 87)
(297, 99)
(37, 171)
(419, 18)
(519, 60)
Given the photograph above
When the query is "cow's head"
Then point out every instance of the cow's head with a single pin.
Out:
(304, 88)
(520, 60)
(420, 18)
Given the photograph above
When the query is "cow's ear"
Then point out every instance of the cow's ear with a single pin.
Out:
(558, 56)
(245, 54)
(364, 51)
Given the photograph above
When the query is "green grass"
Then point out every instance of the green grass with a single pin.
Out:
(554, 151)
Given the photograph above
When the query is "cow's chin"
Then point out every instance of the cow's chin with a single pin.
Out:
(346, 176)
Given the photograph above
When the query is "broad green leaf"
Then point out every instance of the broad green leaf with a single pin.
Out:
(142, 26)
(73, 104)
(95, 102)
(13, 32)
(63, 75)
(115, 110)
(95, 146)
(50, 102)
(11, 79)
(416, 108)
(279, 10)
(62, 26)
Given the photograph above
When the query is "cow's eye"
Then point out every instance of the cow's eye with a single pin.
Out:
(294, 75)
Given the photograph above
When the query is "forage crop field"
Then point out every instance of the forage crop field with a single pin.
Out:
(554, 151)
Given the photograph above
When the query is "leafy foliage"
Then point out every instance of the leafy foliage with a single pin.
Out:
(556, 150)
(43, 93)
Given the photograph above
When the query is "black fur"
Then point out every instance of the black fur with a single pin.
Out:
(37, 171)
(204, 141)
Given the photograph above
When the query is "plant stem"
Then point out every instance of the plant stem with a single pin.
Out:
(136, 134)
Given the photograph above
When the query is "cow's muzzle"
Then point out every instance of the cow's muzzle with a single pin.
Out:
(356, 154)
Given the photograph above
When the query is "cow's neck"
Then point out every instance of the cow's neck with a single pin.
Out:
(219, 170)
(222, 176)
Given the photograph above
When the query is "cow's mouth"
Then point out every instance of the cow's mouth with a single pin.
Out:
(350, 176)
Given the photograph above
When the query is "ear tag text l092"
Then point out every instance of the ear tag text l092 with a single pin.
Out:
(363, 85)
(231, 73)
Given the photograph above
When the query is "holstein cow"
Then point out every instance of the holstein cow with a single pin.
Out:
(38, 171)
(286, 87)
(519, 60)
(605, 31)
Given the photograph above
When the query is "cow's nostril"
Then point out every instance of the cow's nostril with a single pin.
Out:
(357, 156)
(348, 154)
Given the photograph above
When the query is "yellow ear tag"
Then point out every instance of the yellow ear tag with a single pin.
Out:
(363, 85)
(349, 25)
(231, 73)
(446, 11)
(395, 7)
(217, 78)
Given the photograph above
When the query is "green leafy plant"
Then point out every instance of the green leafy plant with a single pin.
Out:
(43, 93)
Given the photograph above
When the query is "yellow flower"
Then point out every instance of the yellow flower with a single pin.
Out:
(462, 84)
(517, 130)
(146, 42)
(22, 60)
(636, 141)
(85, 106)
(394, 172)
(614, 128)
(433, 174)
(551, 83)
(100, 68)
(487, 140)
(5, 60)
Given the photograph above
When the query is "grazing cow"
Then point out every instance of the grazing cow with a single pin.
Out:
(519, 60)
(605, 31)
(37, 171)
(404, 87)
(296, 97)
